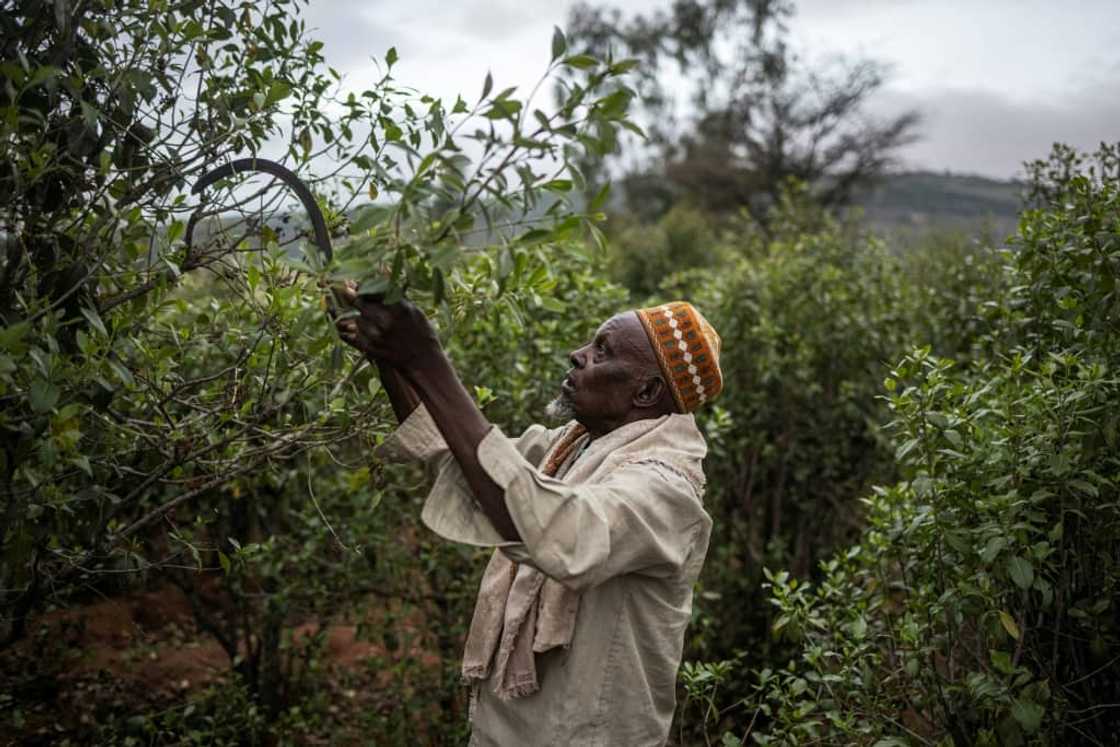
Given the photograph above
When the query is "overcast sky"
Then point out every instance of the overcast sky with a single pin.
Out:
(997, 81)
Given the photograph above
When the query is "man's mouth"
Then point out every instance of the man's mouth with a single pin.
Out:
(567, 385)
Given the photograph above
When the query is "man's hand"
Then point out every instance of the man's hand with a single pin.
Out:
(398, 334)
(401, 341)
(402, 396)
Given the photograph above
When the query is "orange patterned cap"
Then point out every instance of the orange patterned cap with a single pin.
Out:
(687, 349)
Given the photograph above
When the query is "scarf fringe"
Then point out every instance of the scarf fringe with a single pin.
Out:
(520, 690)
(475, 673)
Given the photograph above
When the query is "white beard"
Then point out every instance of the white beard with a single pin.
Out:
(561, 409)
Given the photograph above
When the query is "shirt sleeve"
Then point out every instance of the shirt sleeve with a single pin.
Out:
(418, 439)
(643, 519)
(451, 510)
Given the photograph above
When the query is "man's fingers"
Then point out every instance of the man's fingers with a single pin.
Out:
(348, 332)
(358, 331)
(346, 292)
(348, 329)
(374, 311)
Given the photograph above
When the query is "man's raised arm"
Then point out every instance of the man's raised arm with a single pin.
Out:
(414, 368)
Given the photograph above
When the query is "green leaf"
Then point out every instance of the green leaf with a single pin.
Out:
(623, 66)
(375, 286)
(1021, 571)
(503, 109)
(535, 235)
(426, 163)
(42, 74)
(11, 338)
(1009, 624)
(614, 105)
(90, 114)
(391, 56)
(960, 542)
(393, 133)
(553, 304)
(366, 219)
(581, 61)
(122, 373)
(43, 395)
(598, 237)
(628, 125)
(82, 462)
(224, 560)
(905, 449)
(558, 185)
(174, 231)
(600, 199)
(1001, 660)
(305, 141)
(1028, 714)
(505, 263)
(277, 92)
(94, 320)
(559, 43)
(993, 548)
(487, 85)
(1085, 487)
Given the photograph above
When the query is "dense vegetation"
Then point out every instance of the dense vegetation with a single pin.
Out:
(913, 469)
(971, 600)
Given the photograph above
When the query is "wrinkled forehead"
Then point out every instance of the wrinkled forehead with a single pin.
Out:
(628, 335)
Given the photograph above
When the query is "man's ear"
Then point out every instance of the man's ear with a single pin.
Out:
(650, 393)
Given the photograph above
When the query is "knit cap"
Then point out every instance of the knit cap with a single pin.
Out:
(687, 349)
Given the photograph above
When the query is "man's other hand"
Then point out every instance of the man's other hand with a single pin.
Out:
(345, 317)
(398, 334)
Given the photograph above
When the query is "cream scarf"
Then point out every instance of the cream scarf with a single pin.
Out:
(520, 611)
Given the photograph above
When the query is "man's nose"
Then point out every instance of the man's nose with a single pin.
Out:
(576, 358)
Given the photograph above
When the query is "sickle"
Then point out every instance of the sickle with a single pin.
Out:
(318, 223)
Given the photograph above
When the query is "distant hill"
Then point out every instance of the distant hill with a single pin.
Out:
(916, 202)
(901, 206)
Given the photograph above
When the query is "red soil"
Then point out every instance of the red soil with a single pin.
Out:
(142, 651)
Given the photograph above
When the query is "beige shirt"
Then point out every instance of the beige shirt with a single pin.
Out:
(623, 523)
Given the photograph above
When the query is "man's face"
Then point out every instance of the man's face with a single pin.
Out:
(606, 374)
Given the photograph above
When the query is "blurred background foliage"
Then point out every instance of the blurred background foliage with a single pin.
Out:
(912, 469)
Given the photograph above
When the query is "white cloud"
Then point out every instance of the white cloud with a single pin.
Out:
(983, 132)
(998, 81)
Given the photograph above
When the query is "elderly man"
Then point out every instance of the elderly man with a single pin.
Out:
(601, 533)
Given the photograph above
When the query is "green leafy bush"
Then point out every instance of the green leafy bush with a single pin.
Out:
(176, 405)
(979, 605)
(811, 313)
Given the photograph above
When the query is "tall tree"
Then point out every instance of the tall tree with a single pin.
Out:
(146, 367)
(734, 113)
